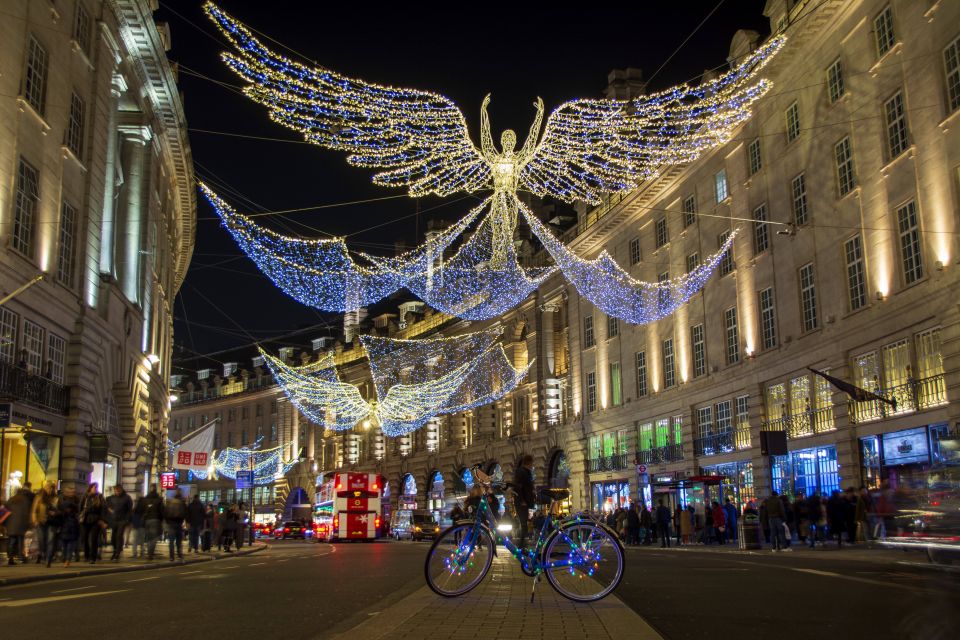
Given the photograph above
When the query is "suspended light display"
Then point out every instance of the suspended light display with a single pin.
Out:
(268, 465)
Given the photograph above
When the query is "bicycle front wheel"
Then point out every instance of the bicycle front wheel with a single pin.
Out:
(583, 561)
(459, 559)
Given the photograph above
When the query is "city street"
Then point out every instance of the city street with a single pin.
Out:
(321, 591)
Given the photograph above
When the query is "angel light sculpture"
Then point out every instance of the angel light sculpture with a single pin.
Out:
(418, 140)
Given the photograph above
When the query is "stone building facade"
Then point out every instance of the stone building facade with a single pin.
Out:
(97, 197)
(854, 159)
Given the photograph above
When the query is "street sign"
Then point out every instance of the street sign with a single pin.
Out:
(244, 479)
(168, 480)
(5, 415)
(641, 468)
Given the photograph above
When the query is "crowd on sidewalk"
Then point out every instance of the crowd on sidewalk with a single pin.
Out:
(61, 526)
(852, 516)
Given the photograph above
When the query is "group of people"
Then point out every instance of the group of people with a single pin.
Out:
(637, 525)
(65, 524)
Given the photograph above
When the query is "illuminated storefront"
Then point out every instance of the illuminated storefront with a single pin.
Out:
(435, 496)
(608, 495)
(736, 482)
(408, 493)
(30, 443)
(904, 457)
(806, 471)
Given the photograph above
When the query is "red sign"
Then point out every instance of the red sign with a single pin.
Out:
(168, 480)
(183, 457)
(199, 459)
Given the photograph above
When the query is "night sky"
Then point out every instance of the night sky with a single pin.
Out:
(514, 52)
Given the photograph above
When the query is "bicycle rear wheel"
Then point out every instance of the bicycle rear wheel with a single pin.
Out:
(459, 559)
(583, 561)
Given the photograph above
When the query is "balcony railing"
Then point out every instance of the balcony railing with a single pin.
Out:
(725, 442)
(20, 386)
(618, 462)
(660, 455)
(226, 389)
(915, 395)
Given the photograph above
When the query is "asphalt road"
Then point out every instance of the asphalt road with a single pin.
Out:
(307, 590)
(705, 594)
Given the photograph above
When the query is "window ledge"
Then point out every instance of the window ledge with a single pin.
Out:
(26, 107)
(68, 153)
(894, 51)
(909, 152)
(841, 100)
(83, 54)
(853, 193)
(948, 121)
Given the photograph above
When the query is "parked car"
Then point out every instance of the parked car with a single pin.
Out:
(291, 529)
(414, 525)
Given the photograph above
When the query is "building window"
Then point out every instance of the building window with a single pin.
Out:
(258, 411)
(56, 358)
(662, 236)
(910, 255)
(82, 28)
(33, 345)
(693, 261)
(883, 31)
(768, 319)
(896, 125)
(616, 385)
(761, 233)
(613, 327)
(68, 233)
(726, 262)
(743, 412)
(25, 212)
(951, 67)
(798, 189)
(754, 160)
(844, 159)
(591, 392)
(641, 361)
(35, 78)
(793, 122)
(856, 280)
(929, 354)
(699, 351)
(677, 423)
(75, 126)
(835, 86)
(635, 251)
(663, 290)
(244, 413)
(231, 415)
(669, 368)
(9, 321)
(808, 297)
(732, 332)
(720, 185)
(662, 437)
(588, 340)
(689, 210)
(243, 438)
(705, 421)
(724, 417)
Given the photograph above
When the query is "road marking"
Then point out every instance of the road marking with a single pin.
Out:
(144, 579)
(187, 573)
(89, 586)
(257, 564)
(819, 573)
(32, 601)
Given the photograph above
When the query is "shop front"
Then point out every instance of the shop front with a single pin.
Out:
(806, 471)
(736, 482)
(608, 495)
(905, 458)
(408, 493)
(30, 443)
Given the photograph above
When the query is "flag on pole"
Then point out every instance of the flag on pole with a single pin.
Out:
(852, 390)
(195, 451)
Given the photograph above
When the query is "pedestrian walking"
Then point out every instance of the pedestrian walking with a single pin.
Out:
(93, 518)
(17, 523)
(837, 516)
(663, 524)
(206, 533)
(174, 513)
(47, 519)
(864, 507)
(719, 522)
(646, 525)
(150, 510)
(731, 515)
(773, 509)
(70, 502)
(228, 524)
(633, 525)
(120, 507)
(707, 523)
(525, 498)
(70, 530)
(195, 517)
(850, 514)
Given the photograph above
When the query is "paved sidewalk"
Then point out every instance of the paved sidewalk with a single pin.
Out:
(32, 572)
(500, 608)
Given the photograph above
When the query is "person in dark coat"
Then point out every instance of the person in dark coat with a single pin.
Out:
(633, 525)
(663, 523)
(526, 498)
(93, 518)
(18, 523)
(773, 507)
(174, 513)
(719, 522)
(228, 526)
(837, 516)
(150, 510)
(120, 507)
(195, 516)
(646, 525)
(730, 512)
(70, 529)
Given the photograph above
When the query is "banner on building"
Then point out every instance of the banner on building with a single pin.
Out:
(195, 451)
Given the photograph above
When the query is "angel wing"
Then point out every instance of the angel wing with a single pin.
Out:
(419, 138)
(592, 147)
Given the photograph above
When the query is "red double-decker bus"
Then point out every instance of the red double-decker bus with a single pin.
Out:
(349, 506)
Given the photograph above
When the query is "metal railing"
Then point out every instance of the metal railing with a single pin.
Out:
(805, 423)
(19, 385)
(724, 442)
(915, 395)
(609, 463)
(224, 390)
(659, 455)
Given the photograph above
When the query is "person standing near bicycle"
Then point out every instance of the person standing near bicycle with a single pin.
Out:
(526, 498)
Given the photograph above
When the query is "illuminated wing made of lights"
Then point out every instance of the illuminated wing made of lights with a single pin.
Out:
(591, 147)
(417, 138)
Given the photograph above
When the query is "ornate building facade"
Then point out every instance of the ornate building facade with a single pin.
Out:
(843, 188)
(97, 220)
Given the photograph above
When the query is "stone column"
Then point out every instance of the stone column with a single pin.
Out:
(550, 385)
(135, 208)
(107, 229)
